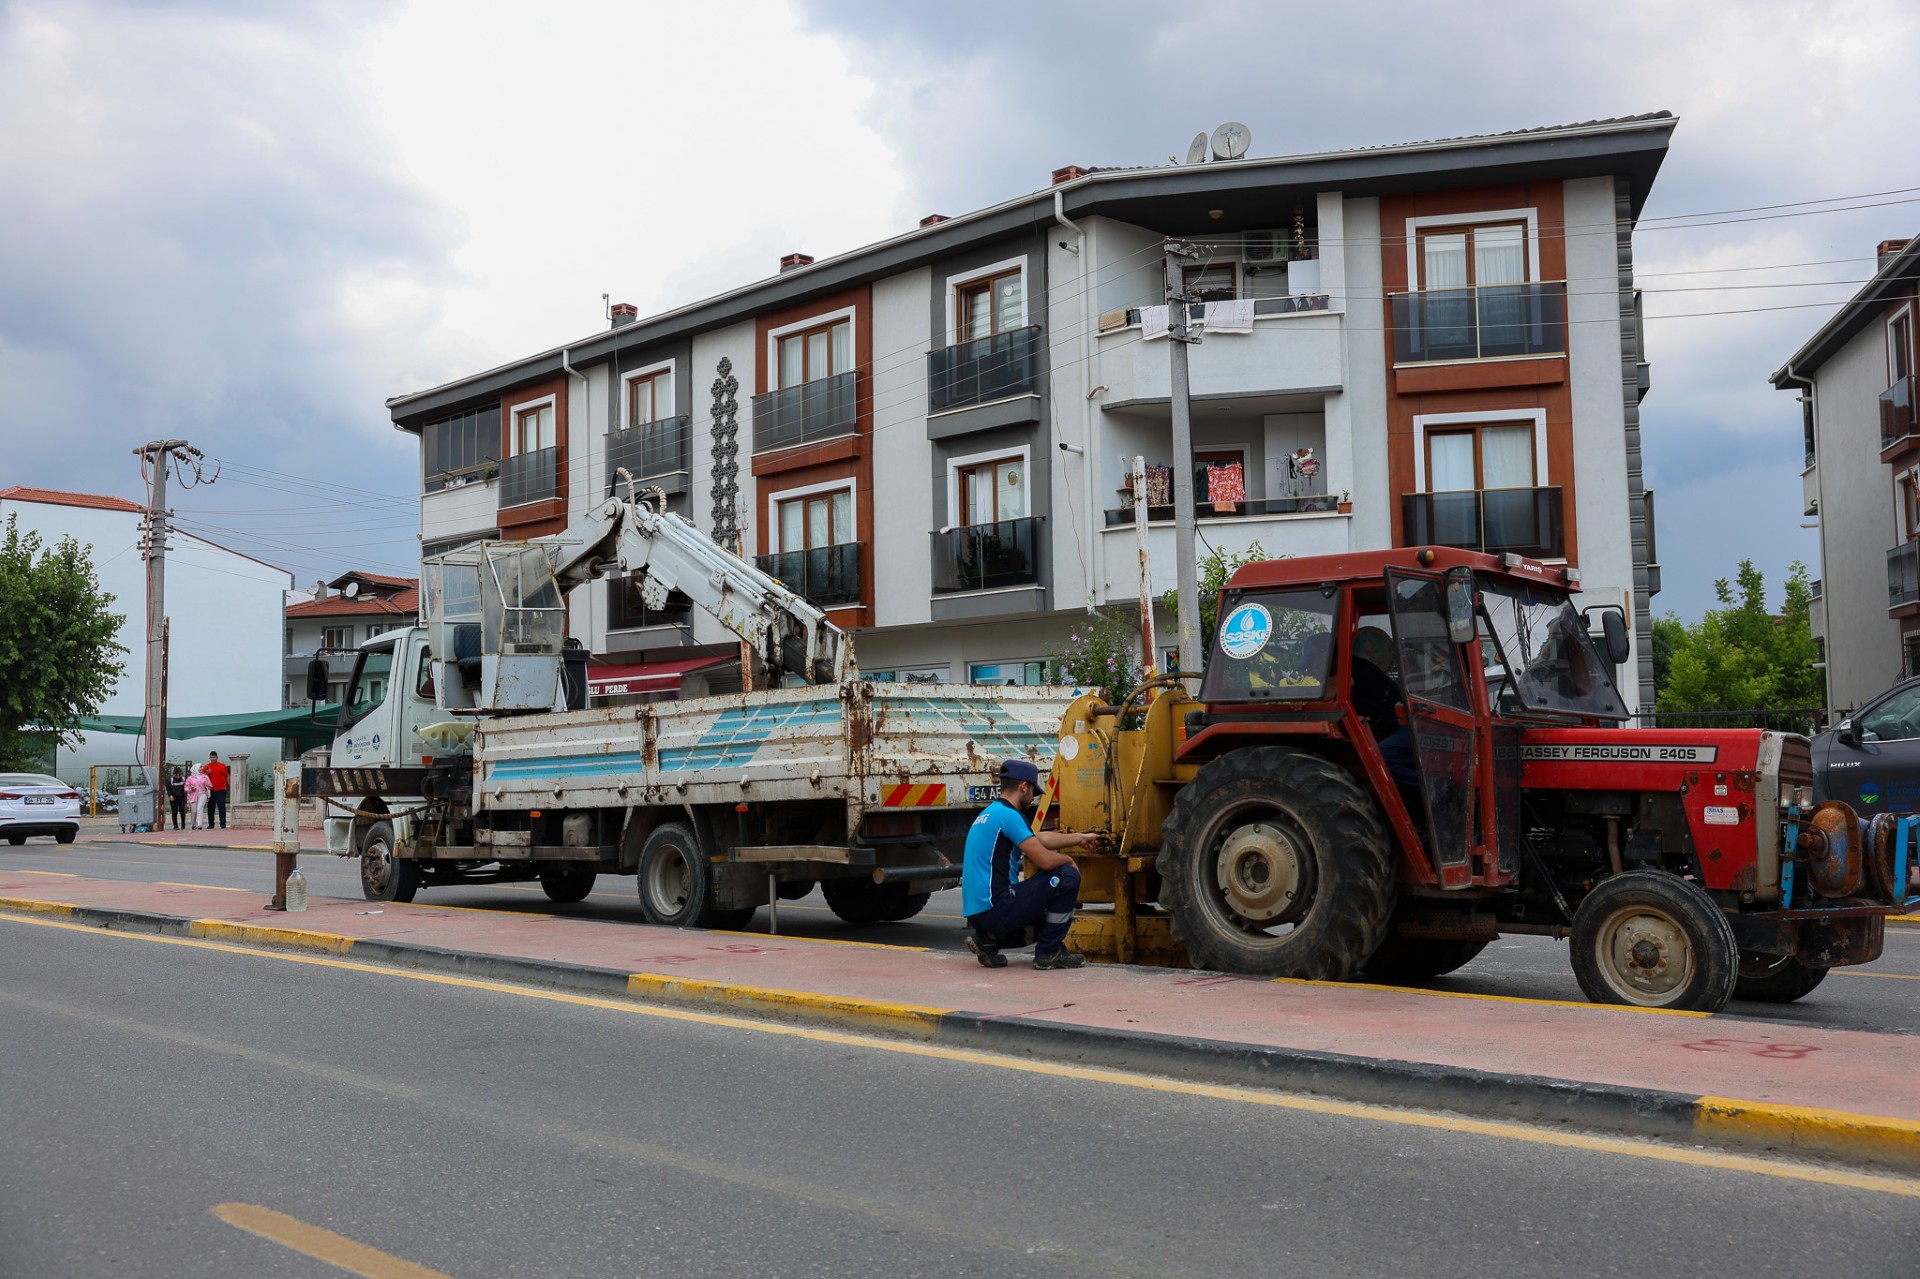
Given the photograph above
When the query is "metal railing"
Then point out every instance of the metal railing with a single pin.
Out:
(1903, 574)
(1807, 719)
(985, 557)
(826, 575)
(1897, 413)
(822, 409)
(990, 368)
(1484, 323)
(1524, 521)
(649, 449)
(1306, 504)
(530, 477)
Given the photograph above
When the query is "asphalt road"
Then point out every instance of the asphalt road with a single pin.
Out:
(176, 1107)
(1882, 996)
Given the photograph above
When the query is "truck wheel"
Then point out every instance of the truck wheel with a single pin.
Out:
(861, 901)
(1775, 979)
(675, 887)
(570, 885)
(1654, 940)
(383, 876)
(910, 905)
(1419, 958)
(1276, 862)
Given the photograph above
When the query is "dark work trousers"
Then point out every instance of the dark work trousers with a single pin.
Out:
(217, 810)
(1045, 899)
(179, 805)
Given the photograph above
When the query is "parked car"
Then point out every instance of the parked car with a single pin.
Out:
(1871, 759)
(35, 804)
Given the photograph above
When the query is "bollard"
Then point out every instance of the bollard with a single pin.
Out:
(286, 837)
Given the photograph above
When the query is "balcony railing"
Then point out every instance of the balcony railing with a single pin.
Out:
(530, 477)
(827, 575)
(1903, 574)
(1896, 412)
(1485, 323)
(650, 449)
(985, 369)
(985, 557)
(1252, 507)
(1524, 521)
(822, 409)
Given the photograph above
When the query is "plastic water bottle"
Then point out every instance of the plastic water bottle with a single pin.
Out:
(296, 890)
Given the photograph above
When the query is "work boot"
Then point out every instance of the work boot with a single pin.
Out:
(1057, 959)
(985, 951)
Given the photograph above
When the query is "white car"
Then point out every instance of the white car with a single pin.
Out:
(35, 804)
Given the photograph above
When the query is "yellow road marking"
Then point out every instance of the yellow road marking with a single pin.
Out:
(174, 883)
(1904, 1187)
(1497, 999)
(321, 1244)
(476, 910)
(1855, 972)
(61, 874)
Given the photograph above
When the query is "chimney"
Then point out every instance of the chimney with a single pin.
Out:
(1068, 174)
(932, 219)
(794, 261)
(624, 313)
(1888, 250)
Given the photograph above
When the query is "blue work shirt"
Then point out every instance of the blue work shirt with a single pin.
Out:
(991, 866)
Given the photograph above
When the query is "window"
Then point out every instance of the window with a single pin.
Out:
(1016, 674)
(627, 606)
(1272, 644)
(1484, 457)
(1907, 494)
(454, 446)
(375, 628)
(993, 305)
(423, 678)
(990, 492)
(337, 637)
(1470, 257)
(1895, 719)
(369, 685)
(815, 353)
(816, 520)
(1900, 348)
(650, 397)
(910, 675)
(1215, 282)
(1224, 470)
(533, 428)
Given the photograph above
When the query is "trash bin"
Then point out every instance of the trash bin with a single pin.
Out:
(137, 810)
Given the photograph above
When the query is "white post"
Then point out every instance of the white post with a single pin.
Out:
(1150, 661)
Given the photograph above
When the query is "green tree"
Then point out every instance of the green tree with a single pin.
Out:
(1103, 652)
(59, 657)
(1742, 655)
(1215, 569)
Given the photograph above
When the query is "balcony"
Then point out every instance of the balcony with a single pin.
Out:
(1903, 576)
(530, 477)
(1897, 427)
(1295, 348)
(1494, 321)
(651, 451)
(823, 409)
(828, 576)
(1497, 521)
(1253, 508)
(988, 557)
(996, 367)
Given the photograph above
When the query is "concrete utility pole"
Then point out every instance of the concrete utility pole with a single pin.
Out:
(156, 458)
(1186, 563)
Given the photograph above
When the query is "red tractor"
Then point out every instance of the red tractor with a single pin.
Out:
(1396, 757)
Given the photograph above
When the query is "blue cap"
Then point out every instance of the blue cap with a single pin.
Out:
(1020, 770)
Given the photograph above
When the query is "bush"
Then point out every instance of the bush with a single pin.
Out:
(1103, 652)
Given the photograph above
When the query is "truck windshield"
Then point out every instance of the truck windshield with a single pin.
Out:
(372, 673)
(1551, 665)
(1271, 644)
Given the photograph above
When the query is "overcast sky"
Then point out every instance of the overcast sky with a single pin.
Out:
(250, 225)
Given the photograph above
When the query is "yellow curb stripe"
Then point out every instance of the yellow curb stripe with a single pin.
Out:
(214, 888)
(915, 1018)
(321, 1244)
(28, 906)
(268, 935)
(474, 910)
(57, 874)
(1806, 1130)
(1494, 999)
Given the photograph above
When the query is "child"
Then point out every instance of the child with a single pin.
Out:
(177, 799)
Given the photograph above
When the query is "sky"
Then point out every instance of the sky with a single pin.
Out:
(249, 226)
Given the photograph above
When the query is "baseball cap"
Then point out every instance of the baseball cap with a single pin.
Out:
(1020, 770)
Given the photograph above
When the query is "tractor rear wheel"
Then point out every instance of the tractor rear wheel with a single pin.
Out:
(1419, 958)
(1276, 862)
(1775, 979)
(1654, 940)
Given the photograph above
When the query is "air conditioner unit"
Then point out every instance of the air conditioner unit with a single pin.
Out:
(1266, 248)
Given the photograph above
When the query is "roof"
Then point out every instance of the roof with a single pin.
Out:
(376, 579)
(306, 726)
(1896, 278)
(58, 497)
(404, 604)
(1185, 194)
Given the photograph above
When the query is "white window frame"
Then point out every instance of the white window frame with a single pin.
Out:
(1422, 421)
(345, 631)
(1905, 312)
(652, 370)
(956, 282)
(955, 465)
(1438, 220)
(1901, 532)
(513, 420)
(820, 321)
(810, 490)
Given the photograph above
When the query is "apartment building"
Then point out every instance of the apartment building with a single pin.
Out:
(932, 436)
(1855, 381)
(353, 607)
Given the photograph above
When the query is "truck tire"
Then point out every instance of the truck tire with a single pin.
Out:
(861, 901)
(1419, 958)
(570, 884)
(1775, 979)
(1654, 940)
(676, 886)
(1276, 839)
(383, 876)
(910, 905)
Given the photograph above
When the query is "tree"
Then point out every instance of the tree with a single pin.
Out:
(1103, 652)
(1742, 655)
(59, 657)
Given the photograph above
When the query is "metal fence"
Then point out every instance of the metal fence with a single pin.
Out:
(1807, 720)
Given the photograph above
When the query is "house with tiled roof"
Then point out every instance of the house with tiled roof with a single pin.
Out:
(353, 607)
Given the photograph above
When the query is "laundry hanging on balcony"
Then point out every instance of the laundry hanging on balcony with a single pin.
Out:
(1224, 485)
(1232, 316)
(1153, 322)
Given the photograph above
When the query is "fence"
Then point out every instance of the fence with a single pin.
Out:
(1807, 720)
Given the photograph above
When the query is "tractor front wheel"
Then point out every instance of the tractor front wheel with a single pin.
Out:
(1654, 940)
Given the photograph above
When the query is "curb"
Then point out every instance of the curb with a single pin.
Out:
(1870, 1141)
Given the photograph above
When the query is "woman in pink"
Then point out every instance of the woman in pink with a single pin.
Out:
(198, 788)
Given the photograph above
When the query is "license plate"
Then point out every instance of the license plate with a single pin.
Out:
(982, 794)
(39, 799)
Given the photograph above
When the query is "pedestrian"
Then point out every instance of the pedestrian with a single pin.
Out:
(177, 799)
(217, 794)
(999, 905)
(197, 789)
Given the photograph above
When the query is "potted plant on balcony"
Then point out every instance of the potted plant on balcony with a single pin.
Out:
(1346, 502)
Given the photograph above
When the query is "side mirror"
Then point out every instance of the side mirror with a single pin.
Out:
(1845, 734)
(317, 680)
(1461, 628)
(1613, 627)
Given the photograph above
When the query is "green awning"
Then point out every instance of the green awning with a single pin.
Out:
(306, 727)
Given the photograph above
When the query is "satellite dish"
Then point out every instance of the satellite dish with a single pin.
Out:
(1198, 151)
(351, 590)
(1230, 140)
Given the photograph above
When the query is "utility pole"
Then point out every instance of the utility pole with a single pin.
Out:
(1186, 563)
(157, 457)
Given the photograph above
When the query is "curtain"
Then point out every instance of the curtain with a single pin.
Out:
(1446, 329)
(1451, 464)
(1500, 271)
(1010, 490)
(1506, 457)
(1007, 303)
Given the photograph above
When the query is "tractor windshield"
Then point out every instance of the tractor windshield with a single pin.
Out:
(1551, 665)
(1271, 644)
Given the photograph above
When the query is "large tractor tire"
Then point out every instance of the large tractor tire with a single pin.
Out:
(383, 876)
(676, 886)
(861, 901)
(1419, 958)
(1276, 862)
(1775, 979)
(1654, 940)
(567, 884)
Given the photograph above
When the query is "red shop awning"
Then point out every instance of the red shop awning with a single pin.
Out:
(647, 677)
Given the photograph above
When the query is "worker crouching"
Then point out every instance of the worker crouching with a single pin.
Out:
(1002, 908)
